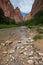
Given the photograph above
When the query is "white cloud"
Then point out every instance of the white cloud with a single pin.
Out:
(24, 5)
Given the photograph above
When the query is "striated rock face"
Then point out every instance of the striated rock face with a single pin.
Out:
(9, 10)
(27, 17)
(37, 6)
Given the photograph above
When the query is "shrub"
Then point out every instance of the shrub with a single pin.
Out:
(40, 31)
(37, 37)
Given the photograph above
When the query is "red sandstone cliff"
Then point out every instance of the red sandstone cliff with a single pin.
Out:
(37, 6)
(27, 17)
(9, 10)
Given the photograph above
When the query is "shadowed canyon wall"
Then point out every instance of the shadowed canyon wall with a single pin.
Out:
(37, 6)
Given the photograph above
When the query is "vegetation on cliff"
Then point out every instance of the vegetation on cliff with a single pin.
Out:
(35, 21)
(5, 20)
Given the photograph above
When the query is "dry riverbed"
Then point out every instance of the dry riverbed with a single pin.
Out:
(17, 47)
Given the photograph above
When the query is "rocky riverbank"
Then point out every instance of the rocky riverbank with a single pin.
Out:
(20, 48)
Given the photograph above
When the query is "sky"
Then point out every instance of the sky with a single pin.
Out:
(24, 5)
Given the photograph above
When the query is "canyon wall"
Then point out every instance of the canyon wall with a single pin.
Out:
(37, 6)
(27, 17)
(9, 10)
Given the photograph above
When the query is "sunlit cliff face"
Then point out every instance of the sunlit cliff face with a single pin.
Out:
(24, 5)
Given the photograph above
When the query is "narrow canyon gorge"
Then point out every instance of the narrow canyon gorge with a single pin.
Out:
(15, 14)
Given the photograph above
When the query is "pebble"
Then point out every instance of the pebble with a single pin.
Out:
(21, 52)
(8, 42)
(25, 53)
(11, 51)
(12, 57)
(32, 58)
(22, 47)
(31, 53)
(41, 54)
(32, 40)
(29, 38)
(30, 62)
(23, 63)
(36, 62)
(25, 49)
(11, 60)
(19, 41)
(18, 47)
(40, 62)
(3, 44)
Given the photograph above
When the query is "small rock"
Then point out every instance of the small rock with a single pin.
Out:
(3, 44)
(23, 63)
(41, 54)
(31, 40)
(31, 53)
(11, 51)
(12, 57)
(19, 41)
(21, 52)
(36, 62)
(25, 53)
(8, 42)
(40, 62)
(25, 49)
(31, 62)
(11, 60)
(22, 47)
(37, 57)
(18, 47)
(32, 58)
